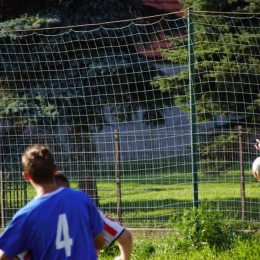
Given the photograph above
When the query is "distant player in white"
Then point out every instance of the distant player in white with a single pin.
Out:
(257, 145)
(112, 229)
(256, 163)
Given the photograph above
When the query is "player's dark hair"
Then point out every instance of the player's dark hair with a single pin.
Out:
(38, 162)
(60, 178)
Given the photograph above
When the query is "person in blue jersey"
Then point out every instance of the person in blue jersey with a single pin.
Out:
(59, 223)
(113, 230)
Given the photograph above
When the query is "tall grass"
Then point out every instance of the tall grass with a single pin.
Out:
(162, 249)
(199, 235)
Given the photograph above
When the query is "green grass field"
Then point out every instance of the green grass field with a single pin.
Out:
(151, 200)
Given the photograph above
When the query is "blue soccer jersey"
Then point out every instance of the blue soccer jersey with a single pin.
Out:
(59, 225)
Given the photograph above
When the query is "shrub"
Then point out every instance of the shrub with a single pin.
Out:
(202, 226)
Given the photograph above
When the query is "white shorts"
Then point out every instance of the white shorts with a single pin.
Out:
(112, 229)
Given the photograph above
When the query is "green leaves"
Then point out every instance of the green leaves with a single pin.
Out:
(226, 64)
(13, 27)
(72, 74)
(202, 227)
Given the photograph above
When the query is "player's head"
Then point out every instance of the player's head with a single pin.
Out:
(61, 180)
(38, 163)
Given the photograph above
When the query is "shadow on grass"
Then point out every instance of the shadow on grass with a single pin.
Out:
(154, 211)
(162, 210)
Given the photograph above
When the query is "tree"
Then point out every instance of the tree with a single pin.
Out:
(227, 65)
(109, 58)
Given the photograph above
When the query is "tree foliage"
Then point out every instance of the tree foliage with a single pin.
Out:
(227, 63)
(55, 75)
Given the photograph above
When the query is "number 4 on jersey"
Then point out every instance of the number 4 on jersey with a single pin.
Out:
(63, 239)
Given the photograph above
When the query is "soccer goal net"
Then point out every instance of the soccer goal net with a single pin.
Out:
(146, 115)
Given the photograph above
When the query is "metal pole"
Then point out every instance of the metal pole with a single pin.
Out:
(117, 172)
(194, 160)
(242, 173)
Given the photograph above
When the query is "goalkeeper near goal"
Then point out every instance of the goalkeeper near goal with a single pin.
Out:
(256, 172)
(112, 229)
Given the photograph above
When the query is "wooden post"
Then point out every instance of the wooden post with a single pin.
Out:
(117, 173)
(242, 173)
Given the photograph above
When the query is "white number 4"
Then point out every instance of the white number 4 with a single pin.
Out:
(63, 239)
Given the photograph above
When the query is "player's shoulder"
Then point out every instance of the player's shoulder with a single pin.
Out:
(28, 208)
(74, 193)
(61, 192)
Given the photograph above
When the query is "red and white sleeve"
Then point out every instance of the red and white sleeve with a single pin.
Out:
(24, 256)
(112, 229)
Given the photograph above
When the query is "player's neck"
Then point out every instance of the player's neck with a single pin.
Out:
(43, 189)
